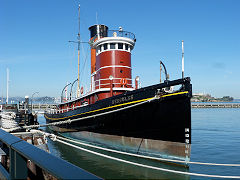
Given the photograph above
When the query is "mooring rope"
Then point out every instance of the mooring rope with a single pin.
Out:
(147, 166)
(146, 157)
(54, 137)
(78, 119)
(136, 155)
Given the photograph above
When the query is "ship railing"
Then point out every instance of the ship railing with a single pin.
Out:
(100, 85)
(112, 79)
(120, 33)
(110, 83)
(99, 82)
(57, 111)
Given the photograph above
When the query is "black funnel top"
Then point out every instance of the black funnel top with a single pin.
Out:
(103, 30)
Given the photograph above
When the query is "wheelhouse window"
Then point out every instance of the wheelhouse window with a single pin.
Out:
(126, 47)
(112, 45)
(98, 50)
(105, 46)
(120, 45)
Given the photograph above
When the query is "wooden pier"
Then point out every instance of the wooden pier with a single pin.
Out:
(22, 160)
(43, 107)
(215, 105)
(40, 106)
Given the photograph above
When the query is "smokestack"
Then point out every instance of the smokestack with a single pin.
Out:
(96, 32)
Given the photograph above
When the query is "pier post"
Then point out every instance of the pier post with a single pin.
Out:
(18, 165)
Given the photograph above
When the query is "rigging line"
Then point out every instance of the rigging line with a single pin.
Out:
(72, 57)
(148, 166)
(85, 60)
(85, 81)
(96, 17)
(146, 157)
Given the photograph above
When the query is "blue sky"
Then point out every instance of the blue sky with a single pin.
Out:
(34, 43)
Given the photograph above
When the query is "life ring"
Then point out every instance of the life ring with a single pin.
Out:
(123, 81)
(81, 91)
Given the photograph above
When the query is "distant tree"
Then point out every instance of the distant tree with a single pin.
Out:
(227, 98)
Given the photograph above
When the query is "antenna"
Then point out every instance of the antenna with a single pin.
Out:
(79, 21)
(96, 18)
(7, 84)
(182, 59)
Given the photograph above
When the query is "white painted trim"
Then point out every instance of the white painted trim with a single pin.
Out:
(113, 40)
(114, 66)
(113, 78)
(98, 45)
(94, 73)
(114, 89)
(109, 84)
(114, 50)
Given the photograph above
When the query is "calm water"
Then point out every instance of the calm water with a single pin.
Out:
(215, 138)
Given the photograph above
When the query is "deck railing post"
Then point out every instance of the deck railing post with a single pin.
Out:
(18, 165)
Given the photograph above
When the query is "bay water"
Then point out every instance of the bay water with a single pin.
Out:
(215, 139)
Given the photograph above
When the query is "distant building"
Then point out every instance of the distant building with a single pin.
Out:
(198, 94)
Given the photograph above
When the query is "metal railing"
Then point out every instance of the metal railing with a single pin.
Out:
(39, 106)
(19, 153)
(99, 82)
(114, 33)
(56, 111)
(120, 33)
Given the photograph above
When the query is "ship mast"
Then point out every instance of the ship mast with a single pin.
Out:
(78, 42)
(182, 59)
(78, 87)
(7, 84)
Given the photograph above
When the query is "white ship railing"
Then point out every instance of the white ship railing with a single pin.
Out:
(114, 83)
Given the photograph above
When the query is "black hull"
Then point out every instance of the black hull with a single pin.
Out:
(165, 120)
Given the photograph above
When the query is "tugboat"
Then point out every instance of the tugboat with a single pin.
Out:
(116, 113)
